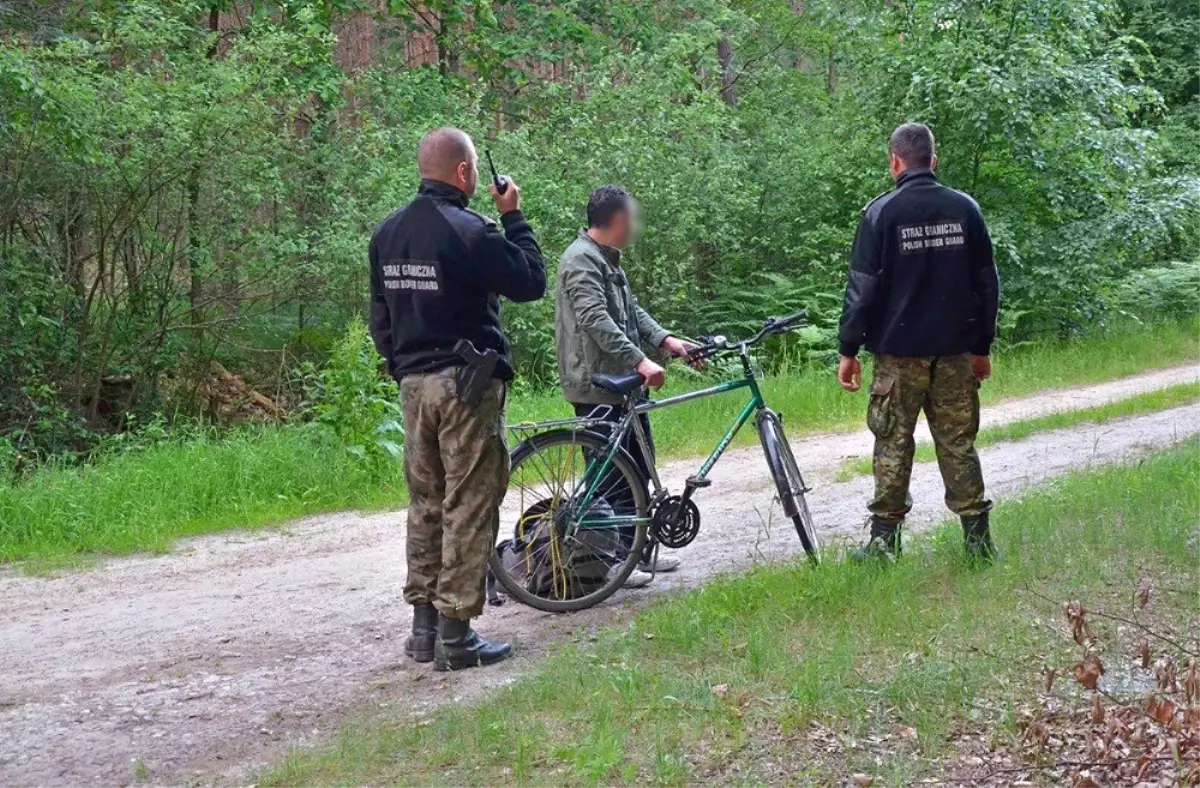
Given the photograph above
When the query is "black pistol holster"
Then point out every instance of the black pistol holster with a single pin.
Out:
(472, 380)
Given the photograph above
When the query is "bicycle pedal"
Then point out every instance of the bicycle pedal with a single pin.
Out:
(695, 482)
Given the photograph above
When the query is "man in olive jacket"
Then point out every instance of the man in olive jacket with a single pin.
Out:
(600, 329)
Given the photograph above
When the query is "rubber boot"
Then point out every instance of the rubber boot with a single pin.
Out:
(884, 542)
(978, 539)
(458, 647)
(419, 645)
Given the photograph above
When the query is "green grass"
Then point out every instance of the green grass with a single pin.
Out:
(795, 675)
(813, 402)
(143, 500)
(1149, 402)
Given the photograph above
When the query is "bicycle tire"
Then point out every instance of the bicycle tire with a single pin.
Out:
(527, 452)
(788, 481)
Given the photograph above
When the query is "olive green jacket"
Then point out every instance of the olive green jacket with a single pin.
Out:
(598, 326)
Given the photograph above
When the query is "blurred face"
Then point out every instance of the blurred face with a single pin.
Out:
(626, 226)
(467, 173)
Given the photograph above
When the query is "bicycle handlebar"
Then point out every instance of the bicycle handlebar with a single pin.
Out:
(773, 325)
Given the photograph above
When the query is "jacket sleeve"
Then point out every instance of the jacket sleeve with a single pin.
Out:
(862, 288)
(650, 332)
(985, 280)
(380, 318)
(584, 289)
(510, 262)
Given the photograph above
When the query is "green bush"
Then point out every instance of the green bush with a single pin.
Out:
(1169, 290)
(357, 403)
(185, 184)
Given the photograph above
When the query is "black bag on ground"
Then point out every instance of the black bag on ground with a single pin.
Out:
(537, 557)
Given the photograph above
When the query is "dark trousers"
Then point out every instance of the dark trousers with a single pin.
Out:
(623, 500)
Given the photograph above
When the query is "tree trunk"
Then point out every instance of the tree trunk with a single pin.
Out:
(193, 248)
(725, 58)
(447, 56)
(831, 76)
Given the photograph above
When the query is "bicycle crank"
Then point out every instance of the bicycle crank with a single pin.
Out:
(675, 522)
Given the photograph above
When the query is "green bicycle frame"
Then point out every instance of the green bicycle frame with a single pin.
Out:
(598, 468)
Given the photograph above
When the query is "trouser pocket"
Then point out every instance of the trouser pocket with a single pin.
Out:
(881, 415)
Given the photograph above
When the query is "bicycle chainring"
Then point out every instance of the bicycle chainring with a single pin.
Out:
(675, 522)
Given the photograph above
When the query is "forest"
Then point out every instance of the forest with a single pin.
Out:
(187, 187)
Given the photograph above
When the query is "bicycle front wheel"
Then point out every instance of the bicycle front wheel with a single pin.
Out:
(572, 528)
(788, 482)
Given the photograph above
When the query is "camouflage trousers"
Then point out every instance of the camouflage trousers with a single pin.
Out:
(456, 466)
(945, 388)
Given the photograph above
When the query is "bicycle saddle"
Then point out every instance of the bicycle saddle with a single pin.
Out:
(619, 384)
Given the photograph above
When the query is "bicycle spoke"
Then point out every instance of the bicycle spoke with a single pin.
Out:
(568, 535)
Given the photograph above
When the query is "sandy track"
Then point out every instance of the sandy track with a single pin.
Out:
(213, 661)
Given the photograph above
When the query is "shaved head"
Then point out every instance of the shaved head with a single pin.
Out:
(443, 152)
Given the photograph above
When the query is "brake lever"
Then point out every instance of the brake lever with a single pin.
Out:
(710, 346)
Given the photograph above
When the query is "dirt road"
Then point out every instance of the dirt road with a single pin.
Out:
(209, 663)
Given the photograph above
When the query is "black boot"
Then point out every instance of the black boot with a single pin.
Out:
(419, 645)
(884, 542)
(458, 647)
(978, 539)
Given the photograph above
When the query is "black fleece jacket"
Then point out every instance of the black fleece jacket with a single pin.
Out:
(923, 281)
(438, 270)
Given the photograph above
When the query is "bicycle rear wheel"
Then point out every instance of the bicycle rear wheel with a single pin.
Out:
(788, 481)
(568, 541)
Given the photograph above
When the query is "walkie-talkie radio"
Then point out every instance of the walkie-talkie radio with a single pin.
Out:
(499, 180)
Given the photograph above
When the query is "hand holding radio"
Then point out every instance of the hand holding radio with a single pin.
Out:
(498, 180)
(505, 193)
(507, 200)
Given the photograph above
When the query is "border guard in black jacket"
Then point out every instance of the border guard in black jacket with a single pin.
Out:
(438, 270)
(922, 296)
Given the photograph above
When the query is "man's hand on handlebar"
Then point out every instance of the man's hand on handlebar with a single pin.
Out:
(681, 348)
(652, 373)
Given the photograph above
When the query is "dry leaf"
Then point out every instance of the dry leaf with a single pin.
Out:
(720, 690)
(1167, 675)
(1048, 676)
(1161, 709)
(1037, 734)
(1089, 671)
(1144, 653)
(1141, 597)
(1117, 730)
(1077, 618)
(1085, 780)
(905, 732)
(1191, 682)
(863, 780)
(1097, 709)
(1191, 719)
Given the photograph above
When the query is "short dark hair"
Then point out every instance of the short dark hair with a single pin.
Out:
(913, 143)
(604, 203)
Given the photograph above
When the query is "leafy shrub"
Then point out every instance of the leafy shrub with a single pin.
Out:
(357, 402)
(181, 179)
(1172, 290)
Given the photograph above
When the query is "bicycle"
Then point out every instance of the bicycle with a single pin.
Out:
(584, 510)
